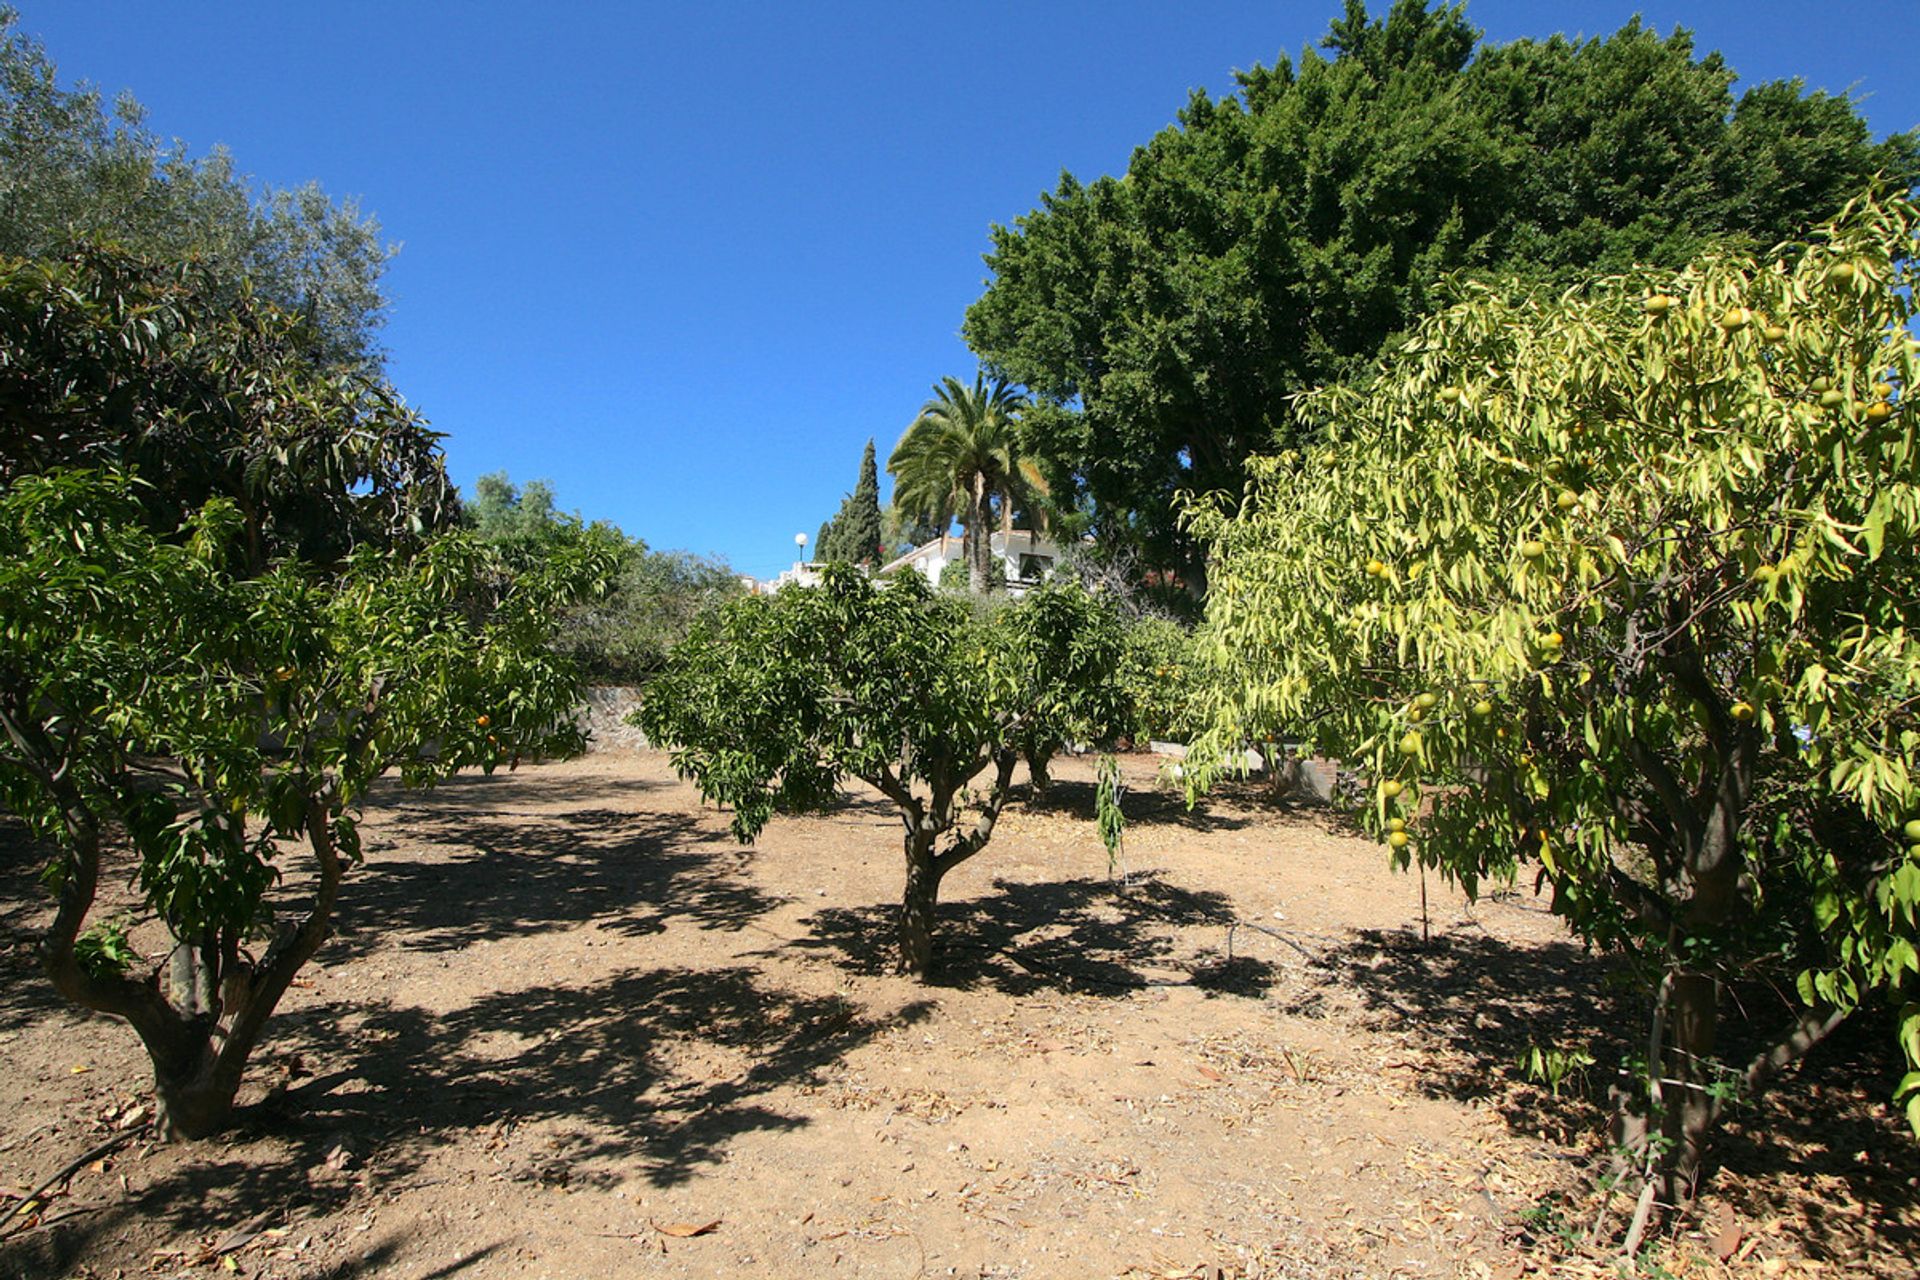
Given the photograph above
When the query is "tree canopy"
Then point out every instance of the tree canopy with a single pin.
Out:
(212, 717)
(78, 171)
(113, 360)
(1619, 583)
(854, 534)
(775, 702)
(1275, 239)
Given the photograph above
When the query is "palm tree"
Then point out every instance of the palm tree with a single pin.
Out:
(961, 455)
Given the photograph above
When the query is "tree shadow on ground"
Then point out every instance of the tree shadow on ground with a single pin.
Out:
(1828, 1124)
(1148, 809)
(662, 1066)
(1083, 935)
(1480, 1003)
(670, 1064)
(561, 856)
(651, 1073)
(25, 994)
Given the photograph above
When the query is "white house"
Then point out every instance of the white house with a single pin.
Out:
(1027, 557)
(805, 573)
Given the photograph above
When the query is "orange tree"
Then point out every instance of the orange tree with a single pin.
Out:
(217, 721)
(774, 703)
(1621, 583)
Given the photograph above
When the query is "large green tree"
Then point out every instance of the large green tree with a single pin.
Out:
(962, 457)
(112, 360)
(1274, 239)
(1620, 583)
(75, 170)
(854, 534)
(774, 703)
(212, 722)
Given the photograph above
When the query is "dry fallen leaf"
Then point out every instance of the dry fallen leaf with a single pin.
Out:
(244, 1234)
(1210, 1073)
(685, 1230)
(1724, 1231)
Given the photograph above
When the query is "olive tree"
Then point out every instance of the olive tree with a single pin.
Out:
(217, 722)
(1621, 583)
(779, 699)
(81, 169)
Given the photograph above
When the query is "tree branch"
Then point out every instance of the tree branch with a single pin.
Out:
(976, 840)
(893, 789)
(290, 951)
(1808, 1030)
(1650, 907)
(1673, 796)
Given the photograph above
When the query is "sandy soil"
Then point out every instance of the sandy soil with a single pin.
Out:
(566, 1022)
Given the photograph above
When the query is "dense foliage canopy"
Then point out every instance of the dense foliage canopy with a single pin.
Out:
(111, 360)
(78, 172)
(1274, 239)
(777, 701)
(214, 717)
(1619, 584)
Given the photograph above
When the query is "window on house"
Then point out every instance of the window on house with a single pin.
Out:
(1033, 568)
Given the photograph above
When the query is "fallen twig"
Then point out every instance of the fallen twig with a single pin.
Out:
(44, 1223)
(1311, 957)
(1637, 1229)
(66, 1172)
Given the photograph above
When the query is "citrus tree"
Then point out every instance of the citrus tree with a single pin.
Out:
(219, 722)
(1620, 584)
(777, 701)
(1158, 672)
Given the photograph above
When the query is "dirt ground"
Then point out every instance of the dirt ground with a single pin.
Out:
(567, 1027)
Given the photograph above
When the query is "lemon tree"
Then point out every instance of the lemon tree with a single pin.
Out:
(1620, 585)
(774, 703)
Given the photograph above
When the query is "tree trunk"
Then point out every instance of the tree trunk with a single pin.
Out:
(980, 551)
(1037, 773)
(916, 908)
(191, 976)
(194, 1096)
(1693, 1006)
(197, 1068)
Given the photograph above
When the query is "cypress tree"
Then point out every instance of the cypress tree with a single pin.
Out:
(853, 535)
(859, 520)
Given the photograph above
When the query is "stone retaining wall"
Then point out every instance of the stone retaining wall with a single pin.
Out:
(604, 716)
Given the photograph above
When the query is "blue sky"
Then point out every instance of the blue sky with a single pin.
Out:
(682, 261)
